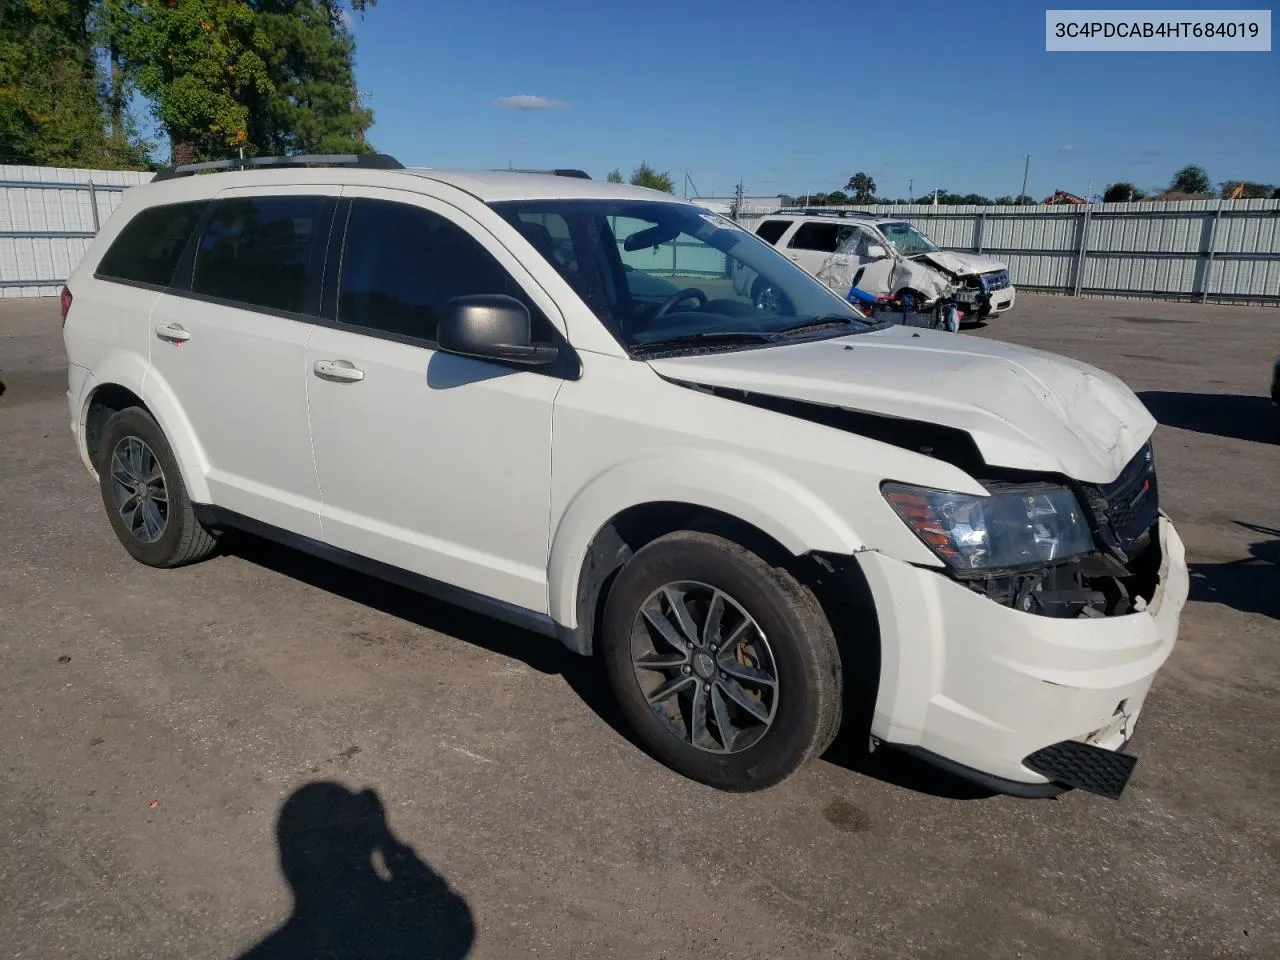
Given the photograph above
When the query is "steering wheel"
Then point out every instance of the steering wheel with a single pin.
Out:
(688, 293)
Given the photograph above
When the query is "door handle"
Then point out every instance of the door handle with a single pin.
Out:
(340, 370)
(175, 332)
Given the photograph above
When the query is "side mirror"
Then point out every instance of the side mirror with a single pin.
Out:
(492, 327)
(876, 252)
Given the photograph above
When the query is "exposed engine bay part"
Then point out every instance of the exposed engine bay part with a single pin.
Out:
(949, 444)
(1094, 585)
(1120, 578)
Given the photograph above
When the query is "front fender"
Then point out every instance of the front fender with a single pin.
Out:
(768, 500)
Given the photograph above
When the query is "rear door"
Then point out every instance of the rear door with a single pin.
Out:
(229, 342)
(815, 240)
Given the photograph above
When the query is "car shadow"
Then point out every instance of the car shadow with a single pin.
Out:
(584, 675)
(1222, 414)
(358, 890)
(1250, 585)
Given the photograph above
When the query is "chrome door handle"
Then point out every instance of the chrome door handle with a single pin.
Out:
(340, 370)
(172, 331)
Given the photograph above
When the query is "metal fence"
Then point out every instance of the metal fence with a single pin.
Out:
(1226, 250)
(48, 215)
(1196, 250)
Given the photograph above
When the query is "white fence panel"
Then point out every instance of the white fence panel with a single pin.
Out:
(48, 216)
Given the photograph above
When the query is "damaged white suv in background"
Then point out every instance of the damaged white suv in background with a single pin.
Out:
(884, 257)
(543, 398)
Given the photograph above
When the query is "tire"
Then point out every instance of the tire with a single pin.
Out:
(162, 531)
(779, 624)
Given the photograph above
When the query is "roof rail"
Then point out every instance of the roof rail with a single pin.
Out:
(562, 172)
(364, 161)
(828, 212)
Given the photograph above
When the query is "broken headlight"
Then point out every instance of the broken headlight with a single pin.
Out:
(1011, 528)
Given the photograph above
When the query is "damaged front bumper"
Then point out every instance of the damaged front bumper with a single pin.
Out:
(1021, 703)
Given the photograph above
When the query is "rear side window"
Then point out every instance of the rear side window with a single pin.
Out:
(149, 247)
(401, 266)
(259, 251)
(771, 231)
(824, 237)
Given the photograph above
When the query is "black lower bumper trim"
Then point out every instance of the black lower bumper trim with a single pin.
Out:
(988, 781)
(1084, 766)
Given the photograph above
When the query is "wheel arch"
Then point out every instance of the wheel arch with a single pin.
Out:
(602, 527)
(115, 390)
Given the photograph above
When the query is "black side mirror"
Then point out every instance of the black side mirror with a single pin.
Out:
(492, 327)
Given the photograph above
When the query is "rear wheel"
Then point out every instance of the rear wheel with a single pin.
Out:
(725, 665)
(143, 492)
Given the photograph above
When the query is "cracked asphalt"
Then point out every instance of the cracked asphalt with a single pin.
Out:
(153, 725)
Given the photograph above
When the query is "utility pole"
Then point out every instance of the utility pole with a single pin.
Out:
(736, 210)
(910, 192)
(1025, 167)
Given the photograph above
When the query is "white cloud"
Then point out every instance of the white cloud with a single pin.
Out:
(524, 101)
(1066, 148)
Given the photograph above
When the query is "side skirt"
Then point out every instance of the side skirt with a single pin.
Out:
(219, 519)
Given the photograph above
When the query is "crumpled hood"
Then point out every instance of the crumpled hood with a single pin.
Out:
(1024, 408)
(962, 263)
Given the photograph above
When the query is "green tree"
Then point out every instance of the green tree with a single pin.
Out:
(1191, 179)
(223, 75)
(615, 176)
(862, 187)
(51, 108)
(311, 104)
(645, 176)
(1122, 193)
(199, 62)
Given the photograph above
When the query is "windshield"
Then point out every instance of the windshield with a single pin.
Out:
(656, 271)
(907, 238)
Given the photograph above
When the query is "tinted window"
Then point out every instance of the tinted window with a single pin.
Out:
(824, 237)
(257, 250)
(771, 231)
(150, 245)
(401, 266)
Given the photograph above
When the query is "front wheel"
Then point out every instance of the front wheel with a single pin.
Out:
(724, 665)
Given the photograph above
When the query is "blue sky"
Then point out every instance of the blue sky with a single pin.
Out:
(942, 93)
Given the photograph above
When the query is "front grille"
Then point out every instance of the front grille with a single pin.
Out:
(995, 280)
(1128, 507)
(1083, 766)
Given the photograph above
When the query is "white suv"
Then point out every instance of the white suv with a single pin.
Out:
(883, 256)
(539, 396)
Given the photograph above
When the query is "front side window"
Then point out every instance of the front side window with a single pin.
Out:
(401, 266)
(858, 243)
(258, 251)
(655, 270)
(149, 247)
(906, 238)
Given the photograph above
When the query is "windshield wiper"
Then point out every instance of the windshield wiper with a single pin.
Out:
(830, 320)
(707, 339)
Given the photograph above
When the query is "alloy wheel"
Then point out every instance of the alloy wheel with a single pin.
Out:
(705, 667)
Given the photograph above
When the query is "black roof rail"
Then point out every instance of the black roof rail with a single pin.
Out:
(562, 172)
(363, 161)
(828, 212)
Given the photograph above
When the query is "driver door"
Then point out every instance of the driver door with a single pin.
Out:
(428, 461)
(873, 262)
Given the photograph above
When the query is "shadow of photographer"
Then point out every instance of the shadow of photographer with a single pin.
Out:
(358, 891)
